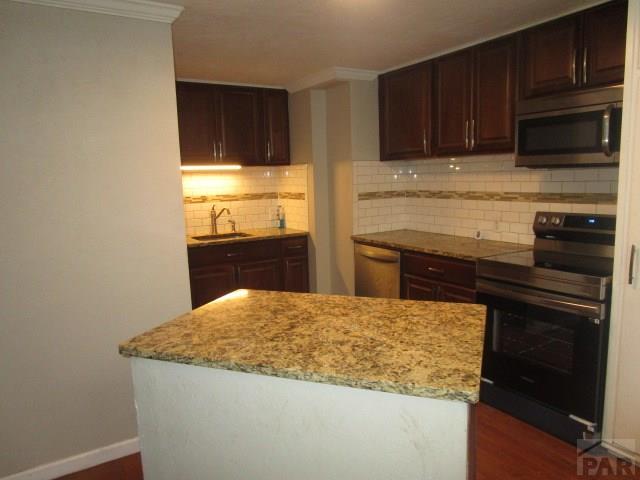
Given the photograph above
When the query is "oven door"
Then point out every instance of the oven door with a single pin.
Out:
(576, 136)
(545, 346)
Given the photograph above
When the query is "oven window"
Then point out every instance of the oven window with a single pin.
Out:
(563, 134)
(540, 337)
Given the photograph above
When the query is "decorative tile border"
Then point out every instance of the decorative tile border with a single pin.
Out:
(236, 197)
(291, 195)
(583, 198)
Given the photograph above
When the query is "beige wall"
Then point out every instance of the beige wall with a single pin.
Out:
(308, 125)
(339, 139)
(92, 233)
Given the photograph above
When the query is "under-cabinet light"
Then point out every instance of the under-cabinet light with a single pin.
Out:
(209, 168)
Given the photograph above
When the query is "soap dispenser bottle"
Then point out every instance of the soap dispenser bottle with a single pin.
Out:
(282, 223)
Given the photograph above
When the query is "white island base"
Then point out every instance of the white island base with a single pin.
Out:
(198, 423)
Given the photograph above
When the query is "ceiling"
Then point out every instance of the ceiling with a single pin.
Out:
(280, 42)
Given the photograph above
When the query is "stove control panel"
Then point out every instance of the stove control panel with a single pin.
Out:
(578, 227)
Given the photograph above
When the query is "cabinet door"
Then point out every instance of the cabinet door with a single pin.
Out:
(276, 126)
(405, 113)
(492, 127)
(196, 122)
(209, 283)
(452, 87)
(260, 275)
(455, 294)
(239, 125)
(549, 62)
(296, 274)
(415, 288)
(605, 34)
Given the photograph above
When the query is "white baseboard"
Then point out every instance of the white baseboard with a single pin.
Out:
(623, 453)
(79, 462)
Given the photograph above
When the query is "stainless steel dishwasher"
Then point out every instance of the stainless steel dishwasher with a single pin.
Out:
(377, 272)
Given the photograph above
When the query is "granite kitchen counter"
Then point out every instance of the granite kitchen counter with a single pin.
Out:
(439, 244)
(424, 349)
(256, 234)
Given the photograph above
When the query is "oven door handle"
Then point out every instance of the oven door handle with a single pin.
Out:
(583, 308)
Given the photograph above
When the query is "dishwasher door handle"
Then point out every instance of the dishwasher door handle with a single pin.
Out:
(381, 257)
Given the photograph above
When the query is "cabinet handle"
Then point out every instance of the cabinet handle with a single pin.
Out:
(632, 264)
(424, 141)
(220, 149)
(584, 66)
(294, 247)
(233, 254)
(573, 67)
(435, 270)
(269, 150)
(215, 152)
(466, 134)
(473, 134)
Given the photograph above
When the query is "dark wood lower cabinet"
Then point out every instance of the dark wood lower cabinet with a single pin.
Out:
(415, 288)
(455, 294)
(437, 278)
(216, 270)
(296, 274)
(260, 275)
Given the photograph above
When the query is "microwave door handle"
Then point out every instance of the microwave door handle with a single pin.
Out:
(606, 130)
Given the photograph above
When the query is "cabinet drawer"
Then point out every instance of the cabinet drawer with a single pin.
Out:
(294, 247)
(234, 252)
(454, 271)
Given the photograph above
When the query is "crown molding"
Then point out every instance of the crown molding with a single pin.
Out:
(140, 9)
(331, 76)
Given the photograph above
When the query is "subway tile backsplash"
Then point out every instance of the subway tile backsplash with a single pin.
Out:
(251, 194)
(464, 196)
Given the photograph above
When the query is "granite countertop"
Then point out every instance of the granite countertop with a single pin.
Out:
(255, 235)
(439, 244)
(424, 349)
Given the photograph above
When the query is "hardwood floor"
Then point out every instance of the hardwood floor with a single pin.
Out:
(125, 468)
(506, 449)
(510, 449)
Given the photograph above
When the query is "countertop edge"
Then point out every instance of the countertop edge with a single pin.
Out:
(253, 238)
(470, 397)
(362, 238)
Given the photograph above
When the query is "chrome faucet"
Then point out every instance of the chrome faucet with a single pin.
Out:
(214, 218)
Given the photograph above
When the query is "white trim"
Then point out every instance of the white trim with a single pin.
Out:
(235, 84)
(79, 462)
(331, 76)
(626, 175)
(140, 9)
(586, 5)
(622, 453)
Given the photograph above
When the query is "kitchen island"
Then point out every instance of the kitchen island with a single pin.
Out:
(276, 385)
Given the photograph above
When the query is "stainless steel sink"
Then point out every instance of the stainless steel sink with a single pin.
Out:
(221, 236)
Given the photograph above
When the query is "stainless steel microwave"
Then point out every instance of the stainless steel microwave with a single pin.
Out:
(570, 130)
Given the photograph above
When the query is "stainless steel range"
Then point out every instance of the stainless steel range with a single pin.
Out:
(547, 324)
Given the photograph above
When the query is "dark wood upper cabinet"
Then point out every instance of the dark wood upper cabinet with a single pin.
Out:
(405, 113)
(549, 61)
(475, 99)
(452, 112)
(583, 50)
(239, 125)
(605, 35)
(196, 123)
(276, 127)
(494, 84)
(228, 124)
